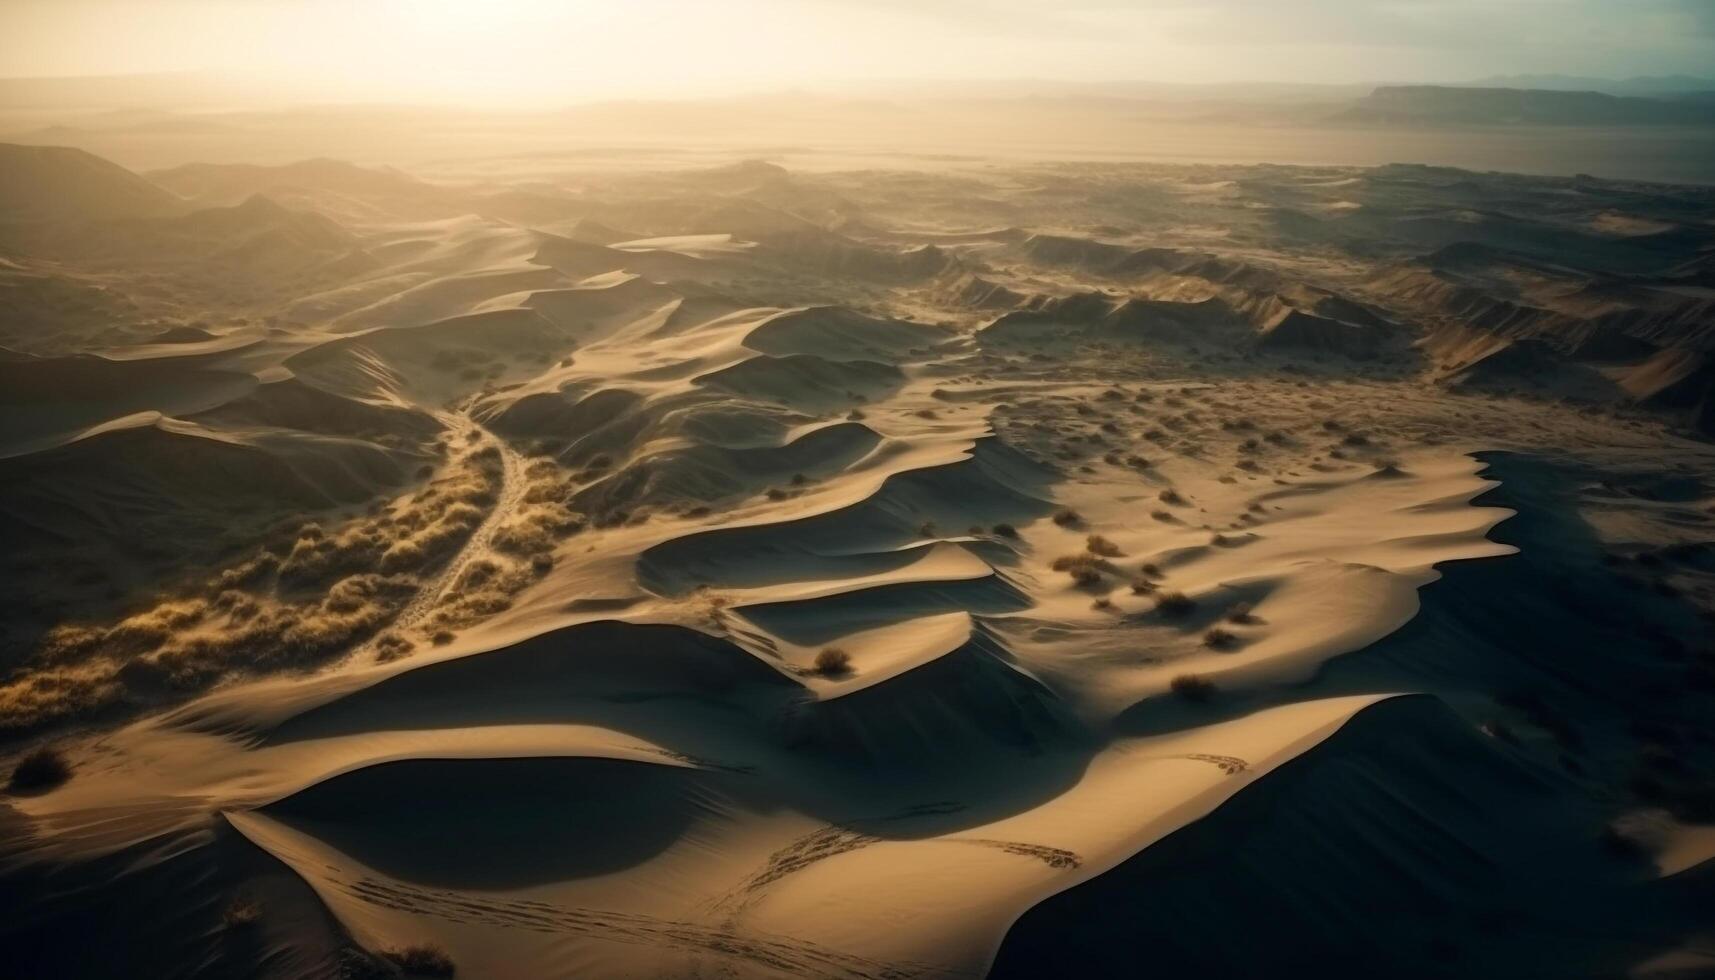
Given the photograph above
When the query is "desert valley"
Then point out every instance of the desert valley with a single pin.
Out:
(770, 563)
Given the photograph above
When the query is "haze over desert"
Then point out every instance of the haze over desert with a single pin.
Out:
(857, 490)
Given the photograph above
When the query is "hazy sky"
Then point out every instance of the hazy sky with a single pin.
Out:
(566, 50)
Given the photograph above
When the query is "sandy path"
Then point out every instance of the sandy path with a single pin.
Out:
(479, 544)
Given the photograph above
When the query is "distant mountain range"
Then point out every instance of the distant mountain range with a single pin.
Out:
(60, 110)
(1453, 105)
(1648, 86)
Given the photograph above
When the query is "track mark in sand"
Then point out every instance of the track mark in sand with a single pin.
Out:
(1054, 857)
(1232, 765)
(789, 956)
(794, 857)
(479, 543)
(833, 841)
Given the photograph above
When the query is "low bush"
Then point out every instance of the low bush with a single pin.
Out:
(1099, 545)
(1175, 604)
(833, 662)
(1220, 639)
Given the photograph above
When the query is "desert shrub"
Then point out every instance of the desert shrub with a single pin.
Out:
(41, 770)
(1219, 639)
(441, 638)
(1241, 614)
(68, 642)
(1005, 531)
(148, 630)
(1142, 586)
(1066, 517)
(1163, 515)
(421, 960)
(392, 646)
(477, 574)
(1171, 497)
(312, 637)
(1086, 569)
(832, 662)
(1102, 602)
(1150, 569)
(1099, 545)
(240, 607)
(402, 556)
(246, 573)
(42, 696)
(351, 594)
(1193, 687)
(321, 559)
(1175, 604)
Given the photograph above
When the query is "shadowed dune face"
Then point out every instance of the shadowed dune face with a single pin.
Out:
(943, 568)
(500, 823)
